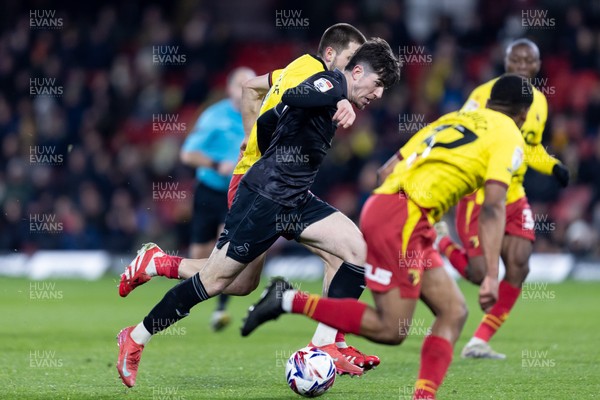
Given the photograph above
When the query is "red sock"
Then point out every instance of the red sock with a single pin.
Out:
(507, 297)
(340, 337)
(436, 356)
(455, 254)
(168, 266)
(342, 314)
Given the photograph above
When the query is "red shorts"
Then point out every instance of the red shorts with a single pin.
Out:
(399, 244)
(233, 186)
(519, 222)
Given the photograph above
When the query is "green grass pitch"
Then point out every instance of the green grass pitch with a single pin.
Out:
(58, 342)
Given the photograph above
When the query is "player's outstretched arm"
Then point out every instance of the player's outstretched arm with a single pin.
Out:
(538, 158)
(253, 91)
(306, 94)
(492, 219)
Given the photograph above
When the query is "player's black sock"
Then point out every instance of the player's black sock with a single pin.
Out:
(222, 301)
(176, 304)
(348, 281)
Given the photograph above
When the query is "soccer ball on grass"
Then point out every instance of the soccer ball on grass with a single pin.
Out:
(310, 372)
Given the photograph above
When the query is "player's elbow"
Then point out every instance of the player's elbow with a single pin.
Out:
(255, 87)
(492, 210)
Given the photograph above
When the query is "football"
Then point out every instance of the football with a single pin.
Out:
(310, 372)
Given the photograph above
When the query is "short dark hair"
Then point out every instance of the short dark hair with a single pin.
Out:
(339, 37)
(376, 54)
(512, 92)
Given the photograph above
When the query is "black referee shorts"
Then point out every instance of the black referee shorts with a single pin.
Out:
(210, 210)
(255, 222)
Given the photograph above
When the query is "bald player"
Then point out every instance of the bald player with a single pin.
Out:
(522, 58)
(455, 155)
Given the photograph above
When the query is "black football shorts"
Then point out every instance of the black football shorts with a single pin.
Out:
(255, 222)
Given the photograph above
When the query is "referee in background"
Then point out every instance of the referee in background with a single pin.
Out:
(212, 147)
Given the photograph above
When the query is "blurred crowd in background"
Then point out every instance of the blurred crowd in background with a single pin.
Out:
(91, 120)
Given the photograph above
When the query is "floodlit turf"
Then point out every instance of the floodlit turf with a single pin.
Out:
(58, 342)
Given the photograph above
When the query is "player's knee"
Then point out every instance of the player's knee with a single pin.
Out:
(516, 272)
(455, 312)
(356, 252)
(517, 269)
(392, 335)
(475, 272)
(461, 313)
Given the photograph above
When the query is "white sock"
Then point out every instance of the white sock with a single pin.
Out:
(475, 341)
(140, 334)
(324, 335)
(286, 301)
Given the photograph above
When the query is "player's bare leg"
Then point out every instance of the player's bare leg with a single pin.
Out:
(515, 254)
(337, 235)
(325, 335)
(446, 302)
(331, 265)
(248, 280)
(338, 240)
(476, 270)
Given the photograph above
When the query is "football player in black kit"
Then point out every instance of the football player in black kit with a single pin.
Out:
(273, 199)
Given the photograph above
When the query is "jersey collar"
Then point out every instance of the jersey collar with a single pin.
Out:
(319, 59)
(340, 75)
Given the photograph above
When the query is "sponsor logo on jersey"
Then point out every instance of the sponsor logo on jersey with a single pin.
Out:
(378, 275)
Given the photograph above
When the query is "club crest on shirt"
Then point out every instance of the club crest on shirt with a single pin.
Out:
(323, 84)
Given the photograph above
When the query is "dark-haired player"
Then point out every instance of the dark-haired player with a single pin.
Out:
(441, 163)
(277, 186)
(522, 58)
(337, 45)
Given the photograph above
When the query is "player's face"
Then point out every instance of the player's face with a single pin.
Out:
(366, 87)
(522, 60)
(341, 60)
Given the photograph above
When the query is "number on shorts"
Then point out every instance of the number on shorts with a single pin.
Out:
(527, 220)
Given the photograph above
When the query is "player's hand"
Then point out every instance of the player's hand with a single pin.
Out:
(243, 145)
(488, 293)
(561, 174)
(225, 168)
(345, 115)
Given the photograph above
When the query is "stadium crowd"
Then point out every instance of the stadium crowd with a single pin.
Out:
(96, 100)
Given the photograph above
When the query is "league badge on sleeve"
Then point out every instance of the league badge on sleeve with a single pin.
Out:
(517, 159)
(323, 85)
